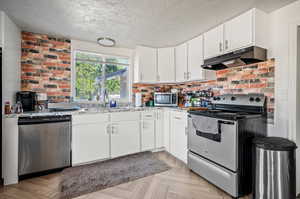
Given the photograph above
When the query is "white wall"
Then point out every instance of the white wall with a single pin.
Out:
(282, 39)
(11, 64)
(298, 112)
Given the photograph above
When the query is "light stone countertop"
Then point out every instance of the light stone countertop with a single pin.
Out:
(92, 111)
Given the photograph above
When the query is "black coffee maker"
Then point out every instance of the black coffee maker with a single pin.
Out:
(28, 100)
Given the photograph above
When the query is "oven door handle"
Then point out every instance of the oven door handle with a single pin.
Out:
(214, 137)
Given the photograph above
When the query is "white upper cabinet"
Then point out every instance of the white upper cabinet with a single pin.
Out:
(238, 32)
(1, 28)
(166, 65)
(195, 59)
(181, 62)
(248, 29)
(213, 42)
(146, 64)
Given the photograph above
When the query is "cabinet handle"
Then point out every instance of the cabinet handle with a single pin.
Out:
(221, 46)
(114, 129)
(141, 76)
(226, 44)
(177, 118)
(158, 78)
(108, 129)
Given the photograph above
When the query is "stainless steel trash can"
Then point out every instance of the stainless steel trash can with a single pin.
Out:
(274, 168)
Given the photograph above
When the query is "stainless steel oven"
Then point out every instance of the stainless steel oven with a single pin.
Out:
(165, 99)
(220, 141)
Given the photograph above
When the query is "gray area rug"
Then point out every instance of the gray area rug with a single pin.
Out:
(84, 179)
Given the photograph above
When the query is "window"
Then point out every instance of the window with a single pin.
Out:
(97, 75)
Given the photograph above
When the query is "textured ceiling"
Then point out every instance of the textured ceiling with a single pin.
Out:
(131, 22)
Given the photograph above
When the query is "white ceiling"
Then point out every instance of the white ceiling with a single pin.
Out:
(130, 22)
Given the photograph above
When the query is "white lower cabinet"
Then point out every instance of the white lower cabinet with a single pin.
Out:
(90, 142)
(159, 129)
(178, 135)
(125, 138)
(166, 130)
(102, 136)
(148, 135)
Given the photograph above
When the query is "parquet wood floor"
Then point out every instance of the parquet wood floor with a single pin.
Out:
(176, 183)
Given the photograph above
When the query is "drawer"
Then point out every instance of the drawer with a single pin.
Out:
(176, 115)
(148, 115)
(90, 118)
(125, 116)
(219, 176)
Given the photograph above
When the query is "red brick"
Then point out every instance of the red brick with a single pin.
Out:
(43, 79)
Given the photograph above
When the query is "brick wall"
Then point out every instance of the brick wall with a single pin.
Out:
(254, 78)
(46, 66)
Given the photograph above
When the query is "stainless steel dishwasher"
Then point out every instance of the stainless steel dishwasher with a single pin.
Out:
(44, 143)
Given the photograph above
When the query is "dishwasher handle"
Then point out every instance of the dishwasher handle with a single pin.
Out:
(43, 119)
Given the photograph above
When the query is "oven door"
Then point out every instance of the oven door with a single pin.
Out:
(214, 139)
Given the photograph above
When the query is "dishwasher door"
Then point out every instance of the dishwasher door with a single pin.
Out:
(44, 146)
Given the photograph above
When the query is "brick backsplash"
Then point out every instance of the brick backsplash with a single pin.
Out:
(253, 78)
(46, 65)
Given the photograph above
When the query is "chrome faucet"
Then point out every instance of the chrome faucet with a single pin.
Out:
(105, 98)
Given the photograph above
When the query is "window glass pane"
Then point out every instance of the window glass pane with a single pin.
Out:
(96, 73)
(117, 60)
(116, 81)
(88, 69)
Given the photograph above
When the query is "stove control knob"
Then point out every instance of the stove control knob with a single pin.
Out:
(233, 98)
(251, 99)
(257, 99)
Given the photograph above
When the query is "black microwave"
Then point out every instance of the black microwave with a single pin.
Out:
(165, 99)
(28, 100)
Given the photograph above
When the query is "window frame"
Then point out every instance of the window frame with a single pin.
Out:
(103, 55)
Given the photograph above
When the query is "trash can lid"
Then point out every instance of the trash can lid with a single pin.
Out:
(274, 143)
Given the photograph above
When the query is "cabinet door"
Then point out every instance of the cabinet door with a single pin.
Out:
(159, 129)
(146, 64)
(179, 136)
(148, 135)
(213, 42)
(90, 142)
(195, 59)
(125, 138)
(181, 62)
(166, 65)
(166, 121)
(238, 32)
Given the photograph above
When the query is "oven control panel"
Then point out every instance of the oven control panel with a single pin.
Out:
(240, 99)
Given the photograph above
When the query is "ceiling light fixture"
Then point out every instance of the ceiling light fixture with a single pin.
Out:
(106, 42)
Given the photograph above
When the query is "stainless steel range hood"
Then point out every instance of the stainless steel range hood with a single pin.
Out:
(241, 57)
